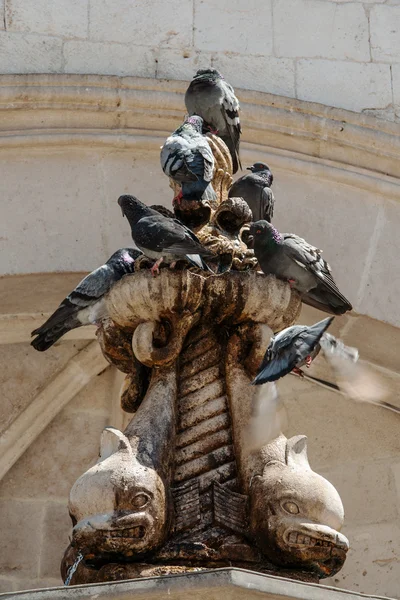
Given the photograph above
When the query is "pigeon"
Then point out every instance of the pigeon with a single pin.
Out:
(187, 158)
(289, 257)
(85, 304)
(213, 99)
(290, 349)
(162, 238)
(255, 189)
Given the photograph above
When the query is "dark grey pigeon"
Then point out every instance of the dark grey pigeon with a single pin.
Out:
(187, 158)
(213, 99)
(255, 189)
(290, 349)
(162, 238)
(289, 257)
(85, 304)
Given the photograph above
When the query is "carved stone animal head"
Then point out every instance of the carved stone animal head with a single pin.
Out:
(118, 506)
(296, 515)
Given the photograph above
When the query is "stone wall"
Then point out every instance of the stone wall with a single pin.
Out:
(342, 54)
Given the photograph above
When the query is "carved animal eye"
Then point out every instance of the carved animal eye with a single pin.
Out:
(291, 508)
(140, 500)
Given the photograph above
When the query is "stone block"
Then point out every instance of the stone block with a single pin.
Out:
(7, 585)
(311, 28)
(25, 372)
(367, 489)
(142, 22)
(65, 449)
(58, 193)
(385, 37)
(322, 224)
(272, 75)
(68, 18)
(383, 287)
(348, 85)
(25, 53)
(96, 397)
(396, 86)
(21, 537)
(57, 528)
(372, 565)
(337, 427)
(242, 27)
(105, 58)
(181, 64)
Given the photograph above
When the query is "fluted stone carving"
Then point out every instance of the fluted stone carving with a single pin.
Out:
(180, 488)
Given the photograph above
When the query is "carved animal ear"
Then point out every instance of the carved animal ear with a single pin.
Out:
(111, 441)
(296, 452)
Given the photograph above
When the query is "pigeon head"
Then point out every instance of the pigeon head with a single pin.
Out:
(132, 208)
(260, 167)
(196, 122)
(264, 232)
(208, 74)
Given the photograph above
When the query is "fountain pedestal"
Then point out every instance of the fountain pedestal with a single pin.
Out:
(183, 488)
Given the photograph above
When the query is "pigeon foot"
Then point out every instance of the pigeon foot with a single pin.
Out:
(308, 361)
(291, 283)
(178, 198)
(155, 269)
(298, 372)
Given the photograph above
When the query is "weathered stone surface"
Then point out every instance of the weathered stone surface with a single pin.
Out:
(28, 53)
(382, 265)
(149, 23)
(20, 553)
(385, 24)
(353, 86)
(310, 28)
(372, 562)
(67, 18)
(181, 64)
(265, 74)
(47, 479)
(367, 489)
(56, 526)
(109, 59)
(207, 31)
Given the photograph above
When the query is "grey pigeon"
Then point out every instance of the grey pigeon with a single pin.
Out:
(187, 158)
(289, 257)
(290, 349)
(213, 99)
(255, 189)
(162, 238)
(85, 304)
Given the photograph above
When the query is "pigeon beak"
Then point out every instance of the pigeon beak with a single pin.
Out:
(249, 168)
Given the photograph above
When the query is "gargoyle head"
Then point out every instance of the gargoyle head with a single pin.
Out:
(296, 515)
(118, 507)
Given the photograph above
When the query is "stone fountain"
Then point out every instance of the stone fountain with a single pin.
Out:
(181, 489)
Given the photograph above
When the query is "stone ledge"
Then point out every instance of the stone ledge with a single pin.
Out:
(216, 584)
(119, 110)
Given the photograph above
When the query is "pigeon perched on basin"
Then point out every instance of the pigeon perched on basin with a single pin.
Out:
(213, 99)
(162, 238)
(85, 304)
(255, 189)
(187, 158)
(290, 258)
(290, 349)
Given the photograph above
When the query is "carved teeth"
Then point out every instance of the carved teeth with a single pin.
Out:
(305, 540)
(133, 532)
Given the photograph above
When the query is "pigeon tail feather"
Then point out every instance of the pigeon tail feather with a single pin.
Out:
(49, 335)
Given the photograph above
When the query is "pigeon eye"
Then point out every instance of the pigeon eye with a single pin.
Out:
(258, 231)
